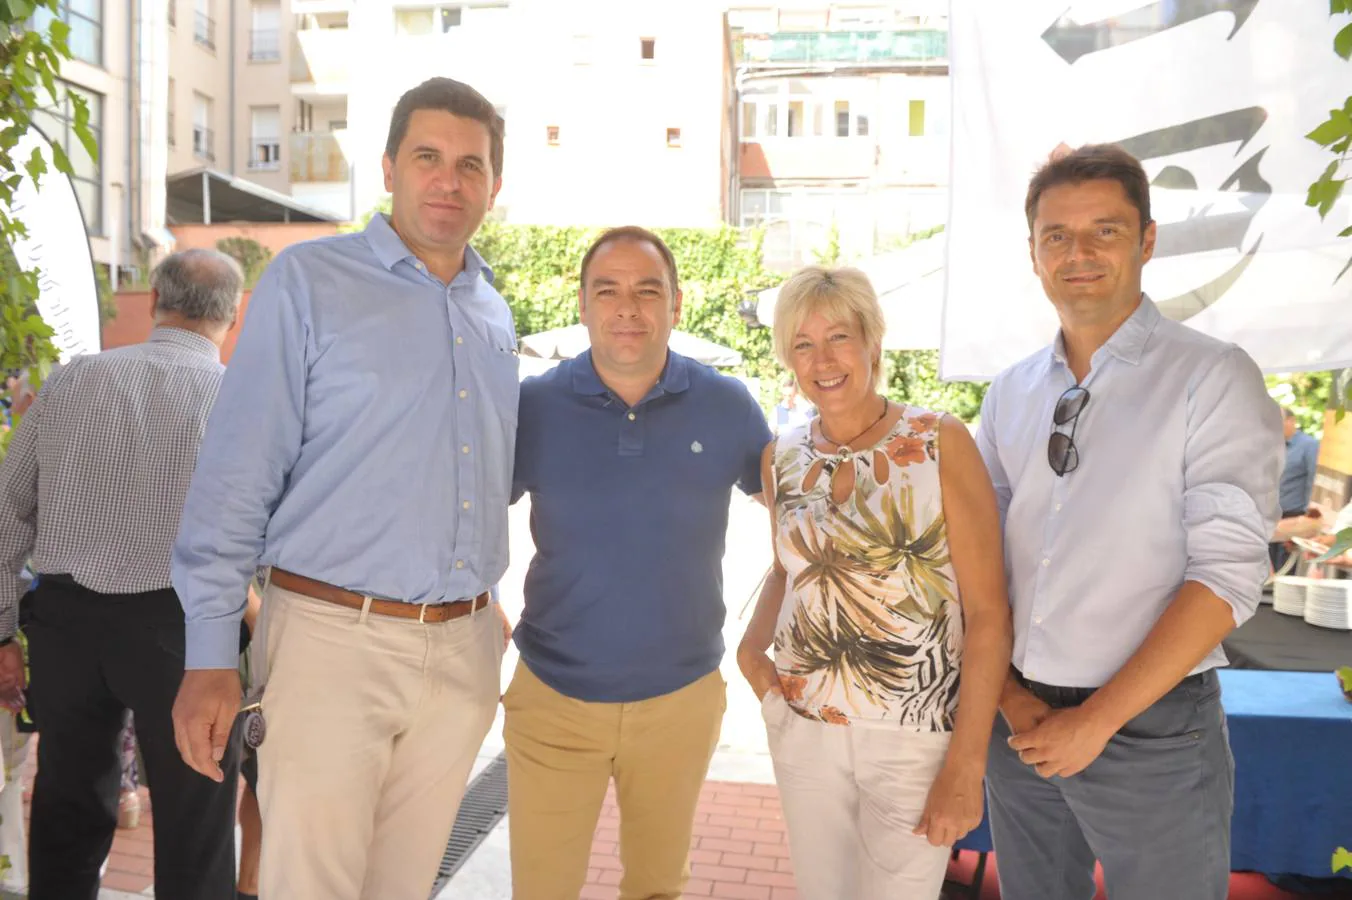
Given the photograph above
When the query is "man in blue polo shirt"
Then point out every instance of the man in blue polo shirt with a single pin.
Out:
(630, 453)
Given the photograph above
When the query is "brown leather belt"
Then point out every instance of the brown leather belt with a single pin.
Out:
(423, 612)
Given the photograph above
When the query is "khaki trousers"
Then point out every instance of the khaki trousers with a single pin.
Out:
(373, 724)
(561, 756)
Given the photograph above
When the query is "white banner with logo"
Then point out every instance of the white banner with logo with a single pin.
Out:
(58, 247)
(1215, 97)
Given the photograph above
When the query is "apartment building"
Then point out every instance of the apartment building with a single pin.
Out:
(843, 123)
(616, 111)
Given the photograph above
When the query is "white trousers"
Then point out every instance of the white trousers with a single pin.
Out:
(851, 797)
(373, 724)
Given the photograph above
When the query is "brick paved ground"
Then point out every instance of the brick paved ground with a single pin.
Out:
(740, 852)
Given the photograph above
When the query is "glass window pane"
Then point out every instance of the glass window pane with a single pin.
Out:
(772, 121)
(775, 202)
(753, 203)
(86, 39)
(42, 19)
(842, 118)
(90, 9)
(917, 118)
(413, 22)
(84, 165)
(748, 120)
(817, 120)
(87, 193)
(50, 125)
(861, 125)
(795, 118)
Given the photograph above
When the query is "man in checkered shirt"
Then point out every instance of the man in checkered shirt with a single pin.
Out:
(91, 491)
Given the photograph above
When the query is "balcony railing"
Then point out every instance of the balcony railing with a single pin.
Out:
(203, 143)
(807, 48)
(265, 154)
(204, 30)
(265, 45)
(317, 156)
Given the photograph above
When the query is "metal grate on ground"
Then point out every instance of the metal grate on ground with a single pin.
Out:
(484, 806)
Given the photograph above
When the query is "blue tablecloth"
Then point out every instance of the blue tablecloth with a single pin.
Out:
(1291, 733)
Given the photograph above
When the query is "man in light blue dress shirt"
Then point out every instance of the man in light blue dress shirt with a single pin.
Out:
(361, 452)
(1136, 463)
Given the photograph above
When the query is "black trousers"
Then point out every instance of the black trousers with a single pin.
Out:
(92, 656)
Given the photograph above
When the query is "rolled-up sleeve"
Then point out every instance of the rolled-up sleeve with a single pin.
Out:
(251, 443)
(1232, 469)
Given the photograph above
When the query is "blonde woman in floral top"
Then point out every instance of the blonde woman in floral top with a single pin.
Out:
(886, 607)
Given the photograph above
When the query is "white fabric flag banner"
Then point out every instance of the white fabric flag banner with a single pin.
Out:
(57, 246)
(1215, 97)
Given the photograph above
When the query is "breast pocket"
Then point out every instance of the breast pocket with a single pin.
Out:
(500, 379)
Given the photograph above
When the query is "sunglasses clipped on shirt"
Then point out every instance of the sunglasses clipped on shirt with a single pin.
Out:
(1062, 454)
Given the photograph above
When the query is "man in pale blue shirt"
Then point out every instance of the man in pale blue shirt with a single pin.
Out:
(1136, 464)
(361, 451)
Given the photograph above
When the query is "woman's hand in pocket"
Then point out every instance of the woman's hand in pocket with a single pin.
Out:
(759, 671)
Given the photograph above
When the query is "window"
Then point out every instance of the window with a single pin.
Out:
(917, 118)
(842, 118)
(861, 125)
(265, 138)
(85, 18)
(265, 37)
(552, 135)
(413, 22)
(173, 139)
(796, 118)
(203, 25)
(203, 140)
(647, 48)
(57, 121)
(673, 137)
(450, 18)
(749, 120)
(772, 121)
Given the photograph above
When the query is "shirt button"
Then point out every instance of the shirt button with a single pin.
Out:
(464, 394)
(465, 504)
(459, 339)
(464, 449)
(1045, 562)
(632, 417)
(459, 563)
(1037, 620)
(1058, 507)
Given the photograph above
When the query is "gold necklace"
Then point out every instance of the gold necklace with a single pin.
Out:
(843, 447)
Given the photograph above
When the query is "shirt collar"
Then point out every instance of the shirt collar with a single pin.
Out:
(390, 249)
(675, 376)
(1128, 341)
(184, 339)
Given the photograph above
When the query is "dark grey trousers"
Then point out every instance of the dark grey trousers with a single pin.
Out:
(1154, 808)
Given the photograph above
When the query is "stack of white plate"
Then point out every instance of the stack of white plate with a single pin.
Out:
(1328, 604)
(1288, 594)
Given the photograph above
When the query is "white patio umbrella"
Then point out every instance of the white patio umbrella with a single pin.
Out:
(573, 340)
(910, 287)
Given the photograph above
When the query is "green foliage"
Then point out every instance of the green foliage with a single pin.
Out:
(1342, 859)
(252, 256)
(830, 254)
(536, 270)
(107, 299)
(1335, 135)
(29, 63)
(913, 377)
(1307, 394)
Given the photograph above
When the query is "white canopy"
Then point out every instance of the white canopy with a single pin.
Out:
(910, 286)
(573, 340)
